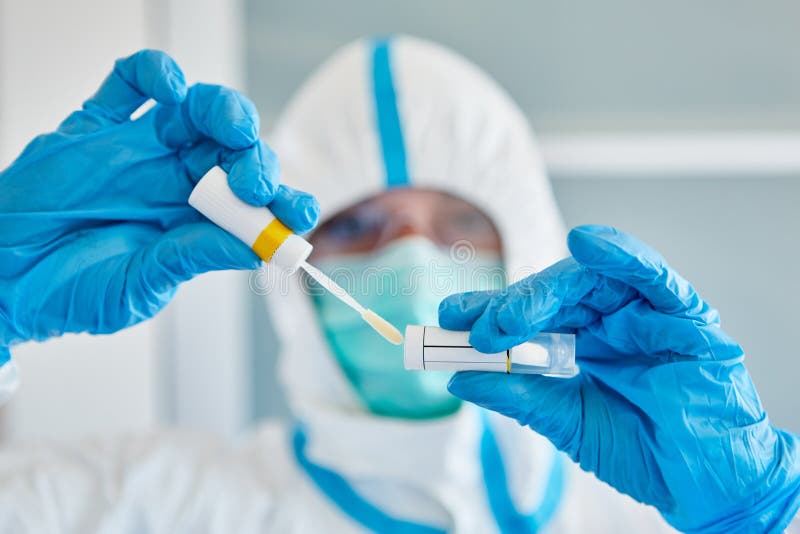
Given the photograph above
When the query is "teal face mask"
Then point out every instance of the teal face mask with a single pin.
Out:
(404, 283)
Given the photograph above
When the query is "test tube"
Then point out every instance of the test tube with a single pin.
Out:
(429, 348)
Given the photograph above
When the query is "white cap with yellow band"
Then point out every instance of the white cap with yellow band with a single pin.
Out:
(269, 238)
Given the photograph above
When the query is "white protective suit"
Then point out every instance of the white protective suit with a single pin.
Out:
(406, 113)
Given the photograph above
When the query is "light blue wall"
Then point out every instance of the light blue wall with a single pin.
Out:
(620, 65)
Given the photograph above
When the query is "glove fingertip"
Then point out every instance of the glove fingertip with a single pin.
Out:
(252, 124)
(250, 187)
(455, 313)
(254, 174)
(168, 84)
(241, 134)
(309, 213)
(483, 341)
(173, 90)
(241, 116)
(511, 321)
(585, 243)
(223, 115)
(445, 310)
(297, 209)
(462, 385)
(498, 392)
(245, 190)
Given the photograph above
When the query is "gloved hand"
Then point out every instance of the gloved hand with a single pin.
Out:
(663, 408)
(95, 229)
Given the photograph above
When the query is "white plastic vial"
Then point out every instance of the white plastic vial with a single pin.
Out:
(429, 348)
(269, 238)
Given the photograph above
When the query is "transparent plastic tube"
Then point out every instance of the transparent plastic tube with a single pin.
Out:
(434, 349)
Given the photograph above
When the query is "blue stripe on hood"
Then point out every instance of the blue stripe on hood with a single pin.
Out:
(391, 133)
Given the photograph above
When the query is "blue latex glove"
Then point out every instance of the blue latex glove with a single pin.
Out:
(663, 408)
(95, 229)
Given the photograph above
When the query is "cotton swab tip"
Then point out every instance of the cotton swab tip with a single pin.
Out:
(383, 327)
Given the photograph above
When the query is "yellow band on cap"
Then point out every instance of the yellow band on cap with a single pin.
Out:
(270, 239)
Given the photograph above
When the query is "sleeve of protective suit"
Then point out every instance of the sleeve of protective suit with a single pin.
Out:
(170, 482)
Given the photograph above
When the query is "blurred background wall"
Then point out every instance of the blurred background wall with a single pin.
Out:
(679, 122)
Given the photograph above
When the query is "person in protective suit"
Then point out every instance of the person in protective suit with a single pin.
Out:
(429, 183)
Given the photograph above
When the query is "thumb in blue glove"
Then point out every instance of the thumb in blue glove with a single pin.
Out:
(663, 409)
